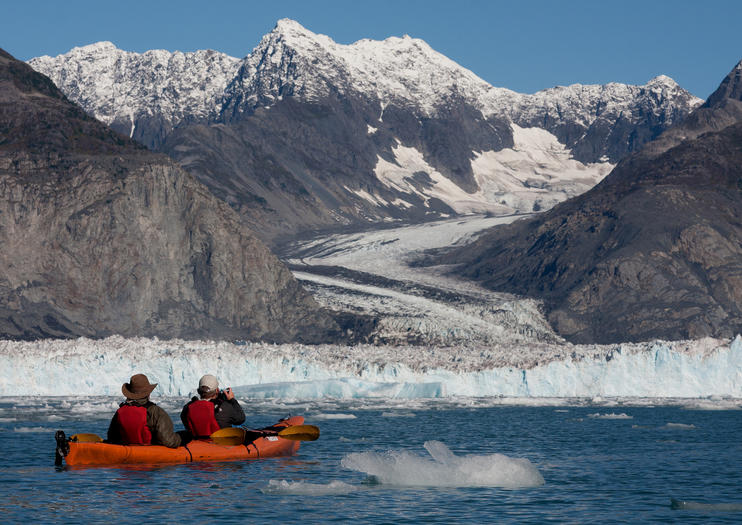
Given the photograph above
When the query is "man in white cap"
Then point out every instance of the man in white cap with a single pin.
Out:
(214, 410)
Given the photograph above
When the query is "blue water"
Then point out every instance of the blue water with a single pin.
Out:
(623, 468)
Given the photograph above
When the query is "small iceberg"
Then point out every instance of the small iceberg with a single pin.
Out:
(444, 469)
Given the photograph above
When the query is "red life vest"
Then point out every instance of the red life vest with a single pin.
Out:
(133, 423)
(201, 419)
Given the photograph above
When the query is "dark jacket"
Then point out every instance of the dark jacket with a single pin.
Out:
(158, 421)
(227, 412)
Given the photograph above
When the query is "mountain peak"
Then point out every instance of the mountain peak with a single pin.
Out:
(662, 81)
(97, 47)
(288, 24)
(291, 30)
(730, 88)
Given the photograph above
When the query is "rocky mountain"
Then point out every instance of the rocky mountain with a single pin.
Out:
(100, 236)
(653, 251)
(305, 133)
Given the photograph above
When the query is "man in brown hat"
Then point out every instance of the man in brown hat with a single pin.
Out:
(138, 421)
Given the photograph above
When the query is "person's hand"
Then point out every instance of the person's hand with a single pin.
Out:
(228, 394)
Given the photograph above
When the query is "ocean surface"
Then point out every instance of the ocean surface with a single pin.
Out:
(417, 461)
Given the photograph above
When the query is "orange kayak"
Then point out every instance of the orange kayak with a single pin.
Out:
(263, 445)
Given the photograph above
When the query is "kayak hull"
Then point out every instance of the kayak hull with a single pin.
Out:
(265, 446)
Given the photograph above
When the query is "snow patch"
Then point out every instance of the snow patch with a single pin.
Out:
(535, 174)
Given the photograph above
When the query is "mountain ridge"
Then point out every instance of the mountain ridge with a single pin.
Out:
(305, 134)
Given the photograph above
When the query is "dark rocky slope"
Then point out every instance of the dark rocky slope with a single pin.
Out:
(299, 166)
(101, 237)
(653, 251)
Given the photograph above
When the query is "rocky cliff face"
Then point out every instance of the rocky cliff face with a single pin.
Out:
(653, 251)
(307, 133)
(102, 237)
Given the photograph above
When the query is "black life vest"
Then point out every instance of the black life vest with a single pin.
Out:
(201, 420)
(133, 423)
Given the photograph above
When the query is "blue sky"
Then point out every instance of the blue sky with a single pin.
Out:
(522, 45)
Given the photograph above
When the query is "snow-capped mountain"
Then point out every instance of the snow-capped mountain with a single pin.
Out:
(407, 72)
(141, 95)
(307, 133)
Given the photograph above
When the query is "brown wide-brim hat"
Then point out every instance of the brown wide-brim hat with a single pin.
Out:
(138, 387)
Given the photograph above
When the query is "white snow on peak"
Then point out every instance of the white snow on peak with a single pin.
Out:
(404, 70)
(97, 47)
(408, 72)
(292, 60)
(663, 80)
(116, 85)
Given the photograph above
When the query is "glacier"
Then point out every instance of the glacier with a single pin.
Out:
(679, 369)
(476, 345)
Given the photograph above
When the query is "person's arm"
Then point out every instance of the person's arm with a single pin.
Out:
(184, 414)
(231, 412)
(114, 430)
(162, 427)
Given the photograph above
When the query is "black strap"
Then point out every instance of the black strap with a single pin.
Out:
(189, 452)
(63, 447)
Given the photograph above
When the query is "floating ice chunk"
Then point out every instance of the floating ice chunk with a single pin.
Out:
(611, 415)
(445, 469)
(397, 414)
(31, 430)
(713, 405)
(303, 488)
(679, 426)
(331, 416)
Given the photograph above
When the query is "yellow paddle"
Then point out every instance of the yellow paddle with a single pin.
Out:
(86, 438)
(229, 436)
(236, 435)
(300, 433)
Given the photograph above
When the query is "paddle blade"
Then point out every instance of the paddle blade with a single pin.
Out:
(86, 438)
(300, 433)
(229, 436)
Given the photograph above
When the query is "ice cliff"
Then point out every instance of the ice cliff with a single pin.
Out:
(695, 369)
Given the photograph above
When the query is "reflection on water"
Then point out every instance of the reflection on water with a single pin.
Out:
(631, 464)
